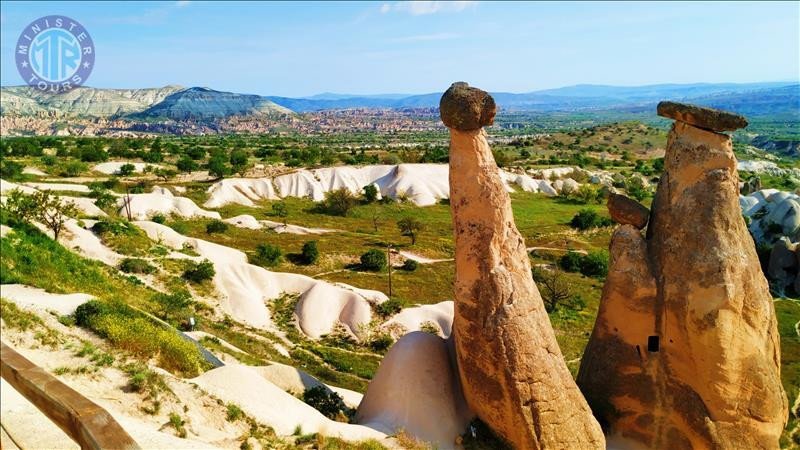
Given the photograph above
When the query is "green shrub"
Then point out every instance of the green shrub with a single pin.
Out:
(410, 265)
(159, 218)
(267, 255)
(186, 165)
(178, 423)
(595, 264)
(136, 265)
(339, 202)
(131, 331)
(310, 252)
(381, 342)
(199, 272)
(10, 170)
(373, 260)
(126, 169)
(329, 403)
(370, 193)
(429, 327)
(571, 261)
(587, 219)
(216, 226)
(174, 304)
(234, 413)
(389, 307)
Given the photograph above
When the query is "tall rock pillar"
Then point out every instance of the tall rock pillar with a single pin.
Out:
(685, 349)
(511, 368)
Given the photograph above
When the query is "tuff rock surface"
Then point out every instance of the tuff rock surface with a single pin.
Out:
(685, 348)
(466, 108)
(701, 117)
(627, 211)
(416, 389)
(511, 368)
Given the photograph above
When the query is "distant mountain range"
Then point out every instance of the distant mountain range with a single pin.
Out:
(579, 97)
(169, 102)
(200, 103)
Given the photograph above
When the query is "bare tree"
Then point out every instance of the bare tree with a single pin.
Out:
(553, 286)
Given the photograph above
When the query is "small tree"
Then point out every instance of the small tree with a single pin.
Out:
(186, 164)
(339, 202)
(172, 304)
(410, 227)
(216, 226)
(199, 272)
(103, 198)
(238, 160)
(409, 265)
(370, 193)
(310, 253)
(43, 207)
(280, 209)
(217, 166)
(267, 255)
(373, 260)
(553, 287)
(126, 169)
(376, 217)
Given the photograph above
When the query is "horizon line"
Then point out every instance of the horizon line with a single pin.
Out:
(404, 95)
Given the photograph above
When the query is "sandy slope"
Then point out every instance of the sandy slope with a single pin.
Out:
(269, 404)
(245, 288)
(161, 201)
(59, 187)
(250, 222)
(84, 204)
(422, 184)
(411, 319)
(33, 298)
(420, 259)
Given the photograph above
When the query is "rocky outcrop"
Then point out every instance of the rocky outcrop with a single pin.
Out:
(417, 390)
(626, 211)
(782, 266)
(701, 117)
(772, 214)
(511, 368)
(685, 348)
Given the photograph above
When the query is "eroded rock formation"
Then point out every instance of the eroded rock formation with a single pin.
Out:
(416, 390)
(627, 211)
(511, 368)
(685, 349)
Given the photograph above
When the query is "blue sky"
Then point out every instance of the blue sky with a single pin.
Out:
(298, 49)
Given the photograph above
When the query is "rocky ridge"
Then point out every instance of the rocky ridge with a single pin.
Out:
(685, 349)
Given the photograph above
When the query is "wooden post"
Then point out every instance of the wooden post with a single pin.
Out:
(128, 202)
(89, 425)
(389, 259)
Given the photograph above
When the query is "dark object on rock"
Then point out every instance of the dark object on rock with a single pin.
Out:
(626, 211)
(782, 266)
(701, 117)
(750, 186)
(466, 108)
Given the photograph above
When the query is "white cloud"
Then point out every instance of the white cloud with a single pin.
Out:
(420, 8)
(181, 3)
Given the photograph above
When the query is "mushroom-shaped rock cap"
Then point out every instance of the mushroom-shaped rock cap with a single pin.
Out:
(466, 108)
(701, 117)
(627, 211)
